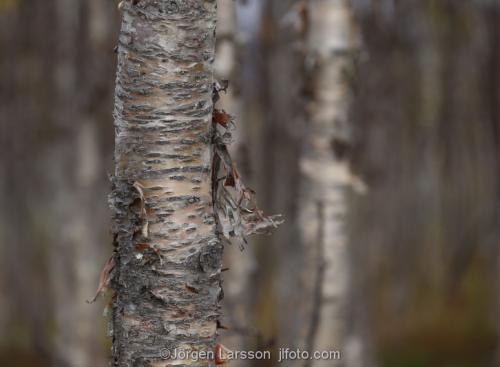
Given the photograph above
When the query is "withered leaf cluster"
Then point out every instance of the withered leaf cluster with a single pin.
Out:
(234, 202)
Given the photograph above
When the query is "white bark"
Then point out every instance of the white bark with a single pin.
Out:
(326, 175)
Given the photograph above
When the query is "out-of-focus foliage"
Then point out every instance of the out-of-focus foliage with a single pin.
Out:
(57, 74)
(427, 113)
(8, 4)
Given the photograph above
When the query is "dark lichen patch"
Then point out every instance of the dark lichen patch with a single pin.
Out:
(210, 257)
(153, 189)
(177, 178)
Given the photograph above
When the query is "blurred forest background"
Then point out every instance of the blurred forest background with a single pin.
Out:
(421, 228)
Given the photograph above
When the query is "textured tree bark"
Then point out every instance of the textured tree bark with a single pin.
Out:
(326, 175)
(168, 254)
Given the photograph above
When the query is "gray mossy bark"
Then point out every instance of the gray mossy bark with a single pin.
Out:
(168, 254)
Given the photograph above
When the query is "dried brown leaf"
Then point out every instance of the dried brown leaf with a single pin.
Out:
(105, 277)
(236, 209)
(221, 354)
(192, 289)
(221, 117)
(220, 326)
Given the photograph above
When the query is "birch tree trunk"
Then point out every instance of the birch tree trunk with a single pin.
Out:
(73, 167)
(168, 254)
(326, 175)
(274, 112)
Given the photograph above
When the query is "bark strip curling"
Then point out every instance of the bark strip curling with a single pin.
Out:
(169, 202)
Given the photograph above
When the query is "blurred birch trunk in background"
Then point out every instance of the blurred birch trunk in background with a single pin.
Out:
(326, 176)
(301, 301)
(74, 167)
(57, 80)
(274, 123)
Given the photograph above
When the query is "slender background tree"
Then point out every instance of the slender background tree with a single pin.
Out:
(55, 128)
(332, 44)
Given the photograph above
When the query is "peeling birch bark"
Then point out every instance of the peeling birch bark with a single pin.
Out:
(326, 175)
(237, 282)
(168, 256)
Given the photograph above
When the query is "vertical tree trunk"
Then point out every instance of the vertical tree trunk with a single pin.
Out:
(275, 116)
(54, 121)
(74, 170)
(168, 254)
(326, 175)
